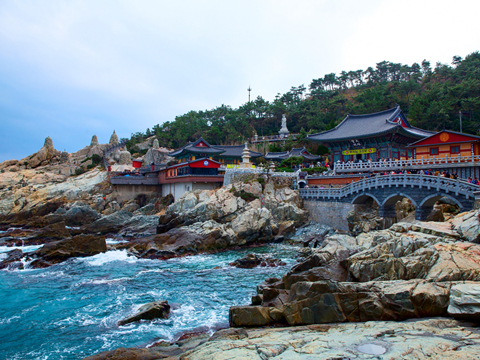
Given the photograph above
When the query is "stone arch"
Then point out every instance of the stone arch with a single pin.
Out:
(430, 200)
(362, 198)
(301, 184)
(391, 200)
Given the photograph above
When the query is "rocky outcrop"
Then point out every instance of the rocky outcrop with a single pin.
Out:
(114, 139)
(46, 155)
(156, 156)
(94, 141)
(230, 216)
(438, 338)
(404, 272)
(465, 301)
(150, 311)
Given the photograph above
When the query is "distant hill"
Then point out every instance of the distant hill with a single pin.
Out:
(430, 97)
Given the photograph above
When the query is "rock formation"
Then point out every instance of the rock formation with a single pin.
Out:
(46, 155)
(124, 158)
(113, 139)
(150, 311)
(94, 141)
(156, 156)
(155, 144)
(407, 271)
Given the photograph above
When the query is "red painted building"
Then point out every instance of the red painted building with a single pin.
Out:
(200, 174)
(446, 143)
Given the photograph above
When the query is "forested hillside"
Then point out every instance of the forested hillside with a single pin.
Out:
(431, 97)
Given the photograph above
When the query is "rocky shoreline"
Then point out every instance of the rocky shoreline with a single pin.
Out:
(371, 289)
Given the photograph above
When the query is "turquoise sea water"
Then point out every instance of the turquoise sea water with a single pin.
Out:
(71, 310)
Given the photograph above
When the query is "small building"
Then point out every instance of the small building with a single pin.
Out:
(446, 143)
(224, 154)
(308, 158)
(198, 174)
(380, 135)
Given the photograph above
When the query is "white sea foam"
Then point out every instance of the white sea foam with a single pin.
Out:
(102, 281)
(112, 241)
(110, 256)
(72, 227)
(24, 249)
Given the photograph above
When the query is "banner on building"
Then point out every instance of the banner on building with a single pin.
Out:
(359, 151)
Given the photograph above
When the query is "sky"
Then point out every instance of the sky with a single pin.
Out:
(72, 69)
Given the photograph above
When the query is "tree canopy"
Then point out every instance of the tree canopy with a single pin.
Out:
(431, 99)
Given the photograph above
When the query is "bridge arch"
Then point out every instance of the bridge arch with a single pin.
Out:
(362, 198)
(391, 200)
(430, 200)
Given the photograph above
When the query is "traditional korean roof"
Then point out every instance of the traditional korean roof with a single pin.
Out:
(189, 163)
(294, 152)
(445, 137)
(200, 146)
(367, 125)
(236, 151)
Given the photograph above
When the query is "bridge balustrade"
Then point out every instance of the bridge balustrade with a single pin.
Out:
(455, 186)
(402, 164)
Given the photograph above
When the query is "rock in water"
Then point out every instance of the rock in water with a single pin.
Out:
(150, 311)
(94, 141)
(77, 246)
(113, 139)
(465, 301)
(253, 260)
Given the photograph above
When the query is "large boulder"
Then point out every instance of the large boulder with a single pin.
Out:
(109, 223)
(465, 301)
(150, 311)
(77, 246)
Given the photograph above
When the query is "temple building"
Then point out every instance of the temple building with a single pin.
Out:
(199, 174)
(224, 154)
(380, 135)
(446, 143)
(307, 157)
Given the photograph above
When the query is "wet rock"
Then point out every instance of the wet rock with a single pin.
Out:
(150, 311)
(109, 223)
(253, 260)
(77, 246)
(12, 257)
(249, 316)
(80, 215)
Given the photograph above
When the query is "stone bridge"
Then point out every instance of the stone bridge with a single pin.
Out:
(422, 190)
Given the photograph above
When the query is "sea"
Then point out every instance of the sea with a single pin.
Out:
(71, 310)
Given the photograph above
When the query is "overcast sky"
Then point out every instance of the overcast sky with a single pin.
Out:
(71, 69)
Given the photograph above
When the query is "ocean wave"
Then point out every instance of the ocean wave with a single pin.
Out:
(109, 256)
(112, 241)
(28, 248)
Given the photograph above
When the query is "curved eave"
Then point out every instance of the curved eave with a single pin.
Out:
(395, 129)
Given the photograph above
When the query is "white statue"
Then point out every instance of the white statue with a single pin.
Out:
(284, 131)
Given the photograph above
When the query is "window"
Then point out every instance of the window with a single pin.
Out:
(434, 151)
(454, 149)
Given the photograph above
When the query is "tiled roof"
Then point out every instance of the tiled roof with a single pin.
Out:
(362, 126)
(236, 151)
(193, 148)
(294, 152)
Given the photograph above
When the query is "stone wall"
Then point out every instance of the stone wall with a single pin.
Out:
(231, 177)
(127, 192)
(329, 213)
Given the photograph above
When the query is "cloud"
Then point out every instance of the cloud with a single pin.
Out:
(71, 69)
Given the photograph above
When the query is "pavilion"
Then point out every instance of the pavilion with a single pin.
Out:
(380, 135)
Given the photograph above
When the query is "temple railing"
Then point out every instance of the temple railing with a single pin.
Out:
(410, 164)
(257, 139)
(454, 186)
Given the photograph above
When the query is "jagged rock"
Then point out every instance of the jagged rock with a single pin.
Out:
(150, 311)
(109, 223)
(156, 156)
(13, 256)
(436, 214)
(64, 157)
(253, 260)
(94, 141)
(113, 139)
(80, 215)
(77, 246)
(465, 301)
(468, 225)
(155, 144)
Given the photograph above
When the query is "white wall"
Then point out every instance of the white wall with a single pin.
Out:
(178, 189)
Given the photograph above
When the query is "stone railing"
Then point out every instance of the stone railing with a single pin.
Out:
(407, 164)
(231, 173)
(279, 137)
(457, 187)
